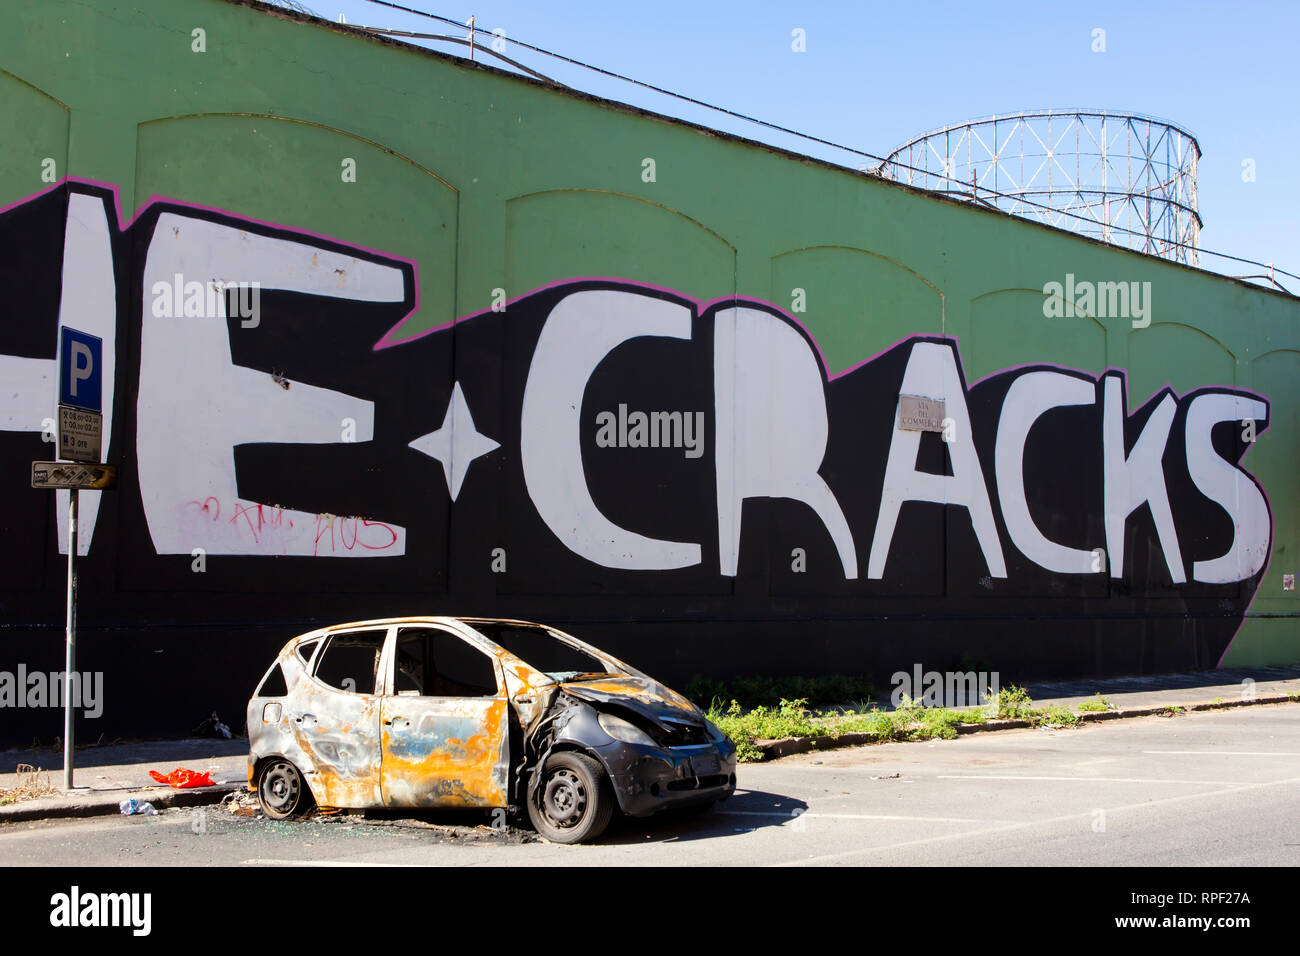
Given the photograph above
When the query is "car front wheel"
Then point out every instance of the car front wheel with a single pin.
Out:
(573, 802)
(281, 791)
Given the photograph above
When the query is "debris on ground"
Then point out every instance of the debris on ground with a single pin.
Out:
(134, 806)
(212, 727)
(443, 832)
(182, 779)
(32, 782)
(241, 803)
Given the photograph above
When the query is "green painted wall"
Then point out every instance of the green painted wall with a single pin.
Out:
(488, 181)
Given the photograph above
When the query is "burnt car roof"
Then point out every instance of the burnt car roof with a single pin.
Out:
(469, 623)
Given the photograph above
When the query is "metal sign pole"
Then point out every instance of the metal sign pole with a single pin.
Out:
(70, 661)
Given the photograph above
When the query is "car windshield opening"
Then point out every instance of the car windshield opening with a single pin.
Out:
(540, 649)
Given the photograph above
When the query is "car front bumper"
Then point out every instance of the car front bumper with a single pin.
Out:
(649, 779)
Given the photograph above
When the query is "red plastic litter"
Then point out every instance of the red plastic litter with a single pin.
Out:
(183, 779)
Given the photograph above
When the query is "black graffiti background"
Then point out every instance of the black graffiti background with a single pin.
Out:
(151, 623)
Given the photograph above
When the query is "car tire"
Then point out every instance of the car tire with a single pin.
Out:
(281, 791)
(573, 802)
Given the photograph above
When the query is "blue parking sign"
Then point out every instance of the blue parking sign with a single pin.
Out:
(80, 358)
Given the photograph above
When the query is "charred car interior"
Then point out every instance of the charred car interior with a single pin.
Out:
(477, 713)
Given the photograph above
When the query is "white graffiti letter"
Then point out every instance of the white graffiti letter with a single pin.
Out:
(195, 405)
(578, 334)
(932, 370)
(1028, 398)
(772, 428)
(1227, 485)
(1137, 478)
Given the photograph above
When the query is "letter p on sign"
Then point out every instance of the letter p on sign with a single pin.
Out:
(80, 358)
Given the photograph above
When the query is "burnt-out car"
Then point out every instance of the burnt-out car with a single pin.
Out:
(477, 713)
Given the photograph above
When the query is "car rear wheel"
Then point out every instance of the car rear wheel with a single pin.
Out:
(573, 802)
(281, 791)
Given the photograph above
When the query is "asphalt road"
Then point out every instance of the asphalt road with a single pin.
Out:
(1215, 788)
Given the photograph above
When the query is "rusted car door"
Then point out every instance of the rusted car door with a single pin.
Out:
(444, 722)
(335, 717)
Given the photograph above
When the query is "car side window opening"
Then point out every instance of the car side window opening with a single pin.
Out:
(434, 663)
(350, 661)
(306, 649)
(273, 684)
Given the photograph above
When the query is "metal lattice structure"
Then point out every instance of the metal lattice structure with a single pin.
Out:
(1121, 178)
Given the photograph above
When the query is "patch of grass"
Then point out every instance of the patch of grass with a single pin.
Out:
(1100, 704)
(770, 692)
(1055, 715)
(1012, 703)
(32, 782)
(909, 721)
(790, 718)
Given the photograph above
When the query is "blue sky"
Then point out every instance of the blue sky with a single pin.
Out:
(875, 75)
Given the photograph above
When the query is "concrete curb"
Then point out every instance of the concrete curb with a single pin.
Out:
(789, 746)
(100, 803)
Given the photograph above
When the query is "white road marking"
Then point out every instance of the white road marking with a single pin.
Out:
(1085, 815)
(1227, 753)
(809, 815)
(992, 776)
(348, 863)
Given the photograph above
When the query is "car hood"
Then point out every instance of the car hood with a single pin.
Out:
(646, 697)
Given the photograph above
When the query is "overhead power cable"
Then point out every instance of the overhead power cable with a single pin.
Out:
(776, 127)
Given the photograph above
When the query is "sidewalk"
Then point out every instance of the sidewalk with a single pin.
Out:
(120, 771)
(1172, 690)
(117, 772)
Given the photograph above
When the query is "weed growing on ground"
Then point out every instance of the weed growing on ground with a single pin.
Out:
(909, 721)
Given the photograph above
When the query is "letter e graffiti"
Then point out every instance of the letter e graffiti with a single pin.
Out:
(199, 40)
